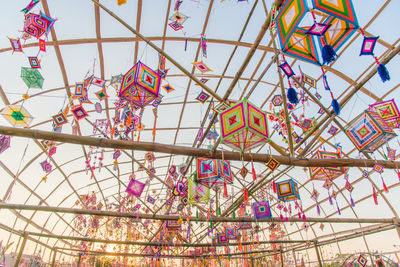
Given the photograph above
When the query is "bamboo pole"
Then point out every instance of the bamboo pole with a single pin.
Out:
(193, 219)
(53, 261)
(281, 254)
(190, 151)
(285, 109)
(138, 255)
(138, 243)
(317, 252)
(21, 250)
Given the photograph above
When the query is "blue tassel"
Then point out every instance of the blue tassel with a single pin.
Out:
(292, 96)
(328, 54)
(336, 107)
(383, 73)
(318, 209)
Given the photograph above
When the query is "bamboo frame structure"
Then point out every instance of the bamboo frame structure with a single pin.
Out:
(189, 151)
(194, 219)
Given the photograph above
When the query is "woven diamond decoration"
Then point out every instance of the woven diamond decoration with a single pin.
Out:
(32, 77)
(60, 119)
(362, 260)
(135, 188)
(277, 100)
(79, 112)
(101, 95)
(368, 46)
(231, 233)
(17, 115)
(198, 193)
(202, 97)
(140, 85)
(287, 190)
(34, 62)
(213, 172)
(369, 131)
(262, 210)
(243, 126)
(323, 173)
(201, 66)
(318, 29)
(388, 111)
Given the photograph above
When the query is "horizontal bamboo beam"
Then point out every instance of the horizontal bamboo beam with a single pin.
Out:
(138, 243)
(191, 151)
(193, 219)
(137, 255)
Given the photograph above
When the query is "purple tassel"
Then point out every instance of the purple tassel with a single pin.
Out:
(304, 217)
(330, 199)
(338, 209)
(188, 232)
(299, 215)
(208, 231)
(286, 219)
(281, 217)
(318, 210)
(352, 202)
(186, 43)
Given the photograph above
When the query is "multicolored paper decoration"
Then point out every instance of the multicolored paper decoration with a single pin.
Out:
(302, 46)
(17, 115)
(231, 233)
(203, 45)
(198, 193)
(288, 19)
(287, 190)
(388, 111)
(5, 141)
(221, 107)
(36, 25)
(213, 172)
(379, 263)
(135, 188)
(79, 112)
(60, 119)
(34, 62)
(201, 66)
(15, 45)
(202, 97)
(243, 126)
(173, 225)
(32, 77)
(368, 46)
(46, 166)
(221, 238)
(31, 5)
(102, 94)
(140, 85)
(362, 260)
(277, 100)
(272, 164)
(168, 88)
(323, 173)
(176, 26)
(369, 131)
(262, 210)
